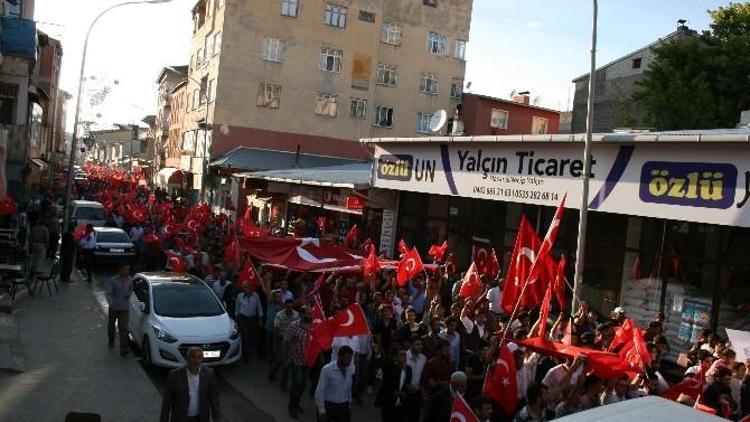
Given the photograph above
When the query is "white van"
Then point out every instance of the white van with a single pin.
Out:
(88, 212)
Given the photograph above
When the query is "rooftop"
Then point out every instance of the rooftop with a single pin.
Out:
(354, 176)
(504, 101)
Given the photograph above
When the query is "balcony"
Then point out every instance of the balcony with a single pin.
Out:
(18, 37)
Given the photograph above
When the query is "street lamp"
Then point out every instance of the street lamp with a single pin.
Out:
(206, 128)
(584, 212)
(71, 162)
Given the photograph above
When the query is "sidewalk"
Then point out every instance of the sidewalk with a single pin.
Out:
(68, 364)
(251, 380)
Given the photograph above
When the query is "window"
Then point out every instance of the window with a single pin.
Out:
(217, 43)
(386, 74)
(209, 46)
(211, 90)
(432, 3)
(269, 96)
(436, 44)
(273, 49)
(390, 33)
(366, 16)
(357, 109)
(457, 87)
(196, 98)
(637, 63)
(13, 8)
(383, 116)
(460, 52)
(335, 16)
(330, 59)
(539, 126)
(289, 8)
(423, 122)
(499, 119)
(189, 104)
(203, 90)
(327, 105)
(429, 83)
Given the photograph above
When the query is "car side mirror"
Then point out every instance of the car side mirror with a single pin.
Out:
(141, 307)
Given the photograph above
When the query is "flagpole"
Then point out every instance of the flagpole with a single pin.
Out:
(583, 219)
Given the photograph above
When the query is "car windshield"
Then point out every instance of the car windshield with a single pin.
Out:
(89, 213)
(112, 237)
(185, 300)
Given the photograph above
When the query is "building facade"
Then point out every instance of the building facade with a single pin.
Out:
(170, 110)
(614, 86)
(483, 115)
(317, 75)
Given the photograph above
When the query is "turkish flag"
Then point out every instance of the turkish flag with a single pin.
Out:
(471, 286)
(632, 346)
(232, 254)
(351, 236)
(480, 252)
(79, 232)
(461, 411)
(350, 321)
(492, 266)
(690, 387)
(522, 259)
(313, 346)
(437, 252)
(544, 312)
(176, 262)
(559, 283)
(248, 278)
(151, 238)
(372, 265)
(500, 381)
(409, 266)
(403, 248)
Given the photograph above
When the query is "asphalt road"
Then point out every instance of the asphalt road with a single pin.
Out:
(235, 406)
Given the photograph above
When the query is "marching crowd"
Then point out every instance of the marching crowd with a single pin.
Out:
(426, 344)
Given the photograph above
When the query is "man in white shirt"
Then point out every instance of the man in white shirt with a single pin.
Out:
(195, 400)
(494, 296)
(415, 360)
(333, 394)
(249, 314)
(286, 294)
(450, 335)
(87, 246)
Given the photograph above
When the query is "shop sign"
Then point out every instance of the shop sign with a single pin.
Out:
(701, 182)
(355, 202)
(387, 229)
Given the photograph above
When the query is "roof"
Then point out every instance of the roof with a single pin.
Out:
(645, 409)
(109, 230)
(679, 31)
(164, 277)
(738, 135)
(515, 103)
(85, 203)
(256, 159)
(181, 71)
(354, 176)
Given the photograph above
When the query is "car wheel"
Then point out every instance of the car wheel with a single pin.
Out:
(146, 350)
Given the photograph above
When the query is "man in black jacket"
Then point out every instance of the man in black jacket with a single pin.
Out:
(191, 393)
(396, 394)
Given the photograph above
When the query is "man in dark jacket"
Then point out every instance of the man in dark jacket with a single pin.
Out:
(191, 393)
(718, 394)
(397, 394)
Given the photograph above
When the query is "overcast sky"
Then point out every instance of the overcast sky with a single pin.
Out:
(534, 45)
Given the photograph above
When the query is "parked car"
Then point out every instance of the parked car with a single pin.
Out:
(113, 245)
(88, 212)
(171, 312)
(644, 409)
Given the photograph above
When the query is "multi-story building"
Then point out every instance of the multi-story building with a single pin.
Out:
(483, 115)
(46, 76)
(314, 76)
(170, 110)
(614, 86)
(121, 146)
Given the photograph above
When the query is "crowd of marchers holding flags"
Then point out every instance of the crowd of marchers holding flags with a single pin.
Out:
(426, 341)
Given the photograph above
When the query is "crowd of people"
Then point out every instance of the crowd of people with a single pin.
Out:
(427, 344)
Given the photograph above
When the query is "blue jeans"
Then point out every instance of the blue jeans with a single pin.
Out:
(298, 379)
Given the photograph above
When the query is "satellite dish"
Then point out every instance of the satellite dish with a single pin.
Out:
(438, 121)
(468, 86)
(537, 100)
(513, 93)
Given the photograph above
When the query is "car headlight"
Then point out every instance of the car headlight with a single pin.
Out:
(235, 332)
(163, 335)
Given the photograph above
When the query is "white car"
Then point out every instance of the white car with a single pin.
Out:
(172, 312)
(88, 212)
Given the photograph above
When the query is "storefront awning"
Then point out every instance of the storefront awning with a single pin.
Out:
(353, 176)
(170, 175)
(256, 159)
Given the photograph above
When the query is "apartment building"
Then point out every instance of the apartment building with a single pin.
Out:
(315, 75)
(170, 110)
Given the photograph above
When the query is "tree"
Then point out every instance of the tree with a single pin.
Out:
(701, 81)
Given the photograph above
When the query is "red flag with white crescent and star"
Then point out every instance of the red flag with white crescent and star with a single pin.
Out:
(409, 266)
(500, 381)
(350, 321)
(437, 252)
(522, 258)
(176, 262)
(461, 412)
(471, 286)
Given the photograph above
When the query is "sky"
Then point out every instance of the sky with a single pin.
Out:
(524, 45)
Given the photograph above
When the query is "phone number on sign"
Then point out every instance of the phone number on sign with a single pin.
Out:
(517, 193)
